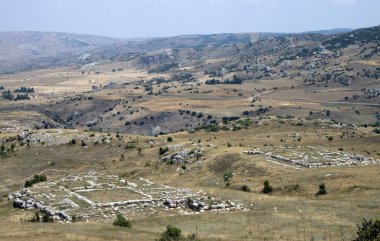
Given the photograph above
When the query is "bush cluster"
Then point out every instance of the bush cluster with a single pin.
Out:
(36, 218)
(121, 221)
(35, 179)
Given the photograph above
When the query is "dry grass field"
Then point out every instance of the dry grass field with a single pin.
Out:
(291, 212)
(282, 96)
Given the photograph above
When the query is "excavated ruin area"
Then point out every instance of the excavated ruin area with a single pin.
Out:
(93, 197)
(311, 156)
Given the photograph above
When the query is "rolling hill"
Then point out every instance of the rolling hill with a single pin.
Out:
(27, 50)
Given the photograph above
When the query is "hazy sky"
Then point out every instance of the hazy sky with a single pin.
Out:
(149, 18)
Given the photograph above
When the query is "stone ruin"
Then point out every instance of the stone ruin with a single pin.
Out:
(90, 196)
(312, 157)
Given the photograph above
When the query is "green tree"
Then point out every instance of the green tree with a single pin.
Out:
(322, 189)
(267, 187)
(7, 95)
(369, 230)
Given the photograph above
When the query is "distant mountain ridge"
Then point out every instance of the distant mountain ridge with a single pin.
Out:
(18, 49)
(330, 31)
(21, 51)
(358, 36)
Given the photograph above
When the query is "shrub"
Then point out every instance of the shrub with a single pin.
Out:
(322, 189)
(121, 221)
(368, 231)
(46, 218)
(267, 188)
(35, 179)
(35, 218)
(163, 150)
(227, 176)
(170, 139)
(171, 234)
(245, 188)
(72, 142)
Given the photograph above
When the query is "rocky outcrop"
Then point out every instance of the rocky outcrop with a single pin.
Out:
(183, 156)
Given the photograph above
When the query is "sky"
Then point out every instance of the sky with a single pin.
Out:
(158, 18)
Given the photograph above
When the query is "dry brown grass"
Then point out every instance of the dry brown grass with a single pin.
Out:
(353, 192)
(105, 196)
